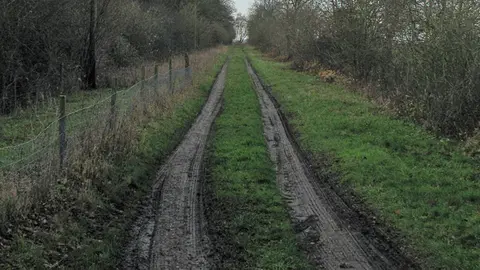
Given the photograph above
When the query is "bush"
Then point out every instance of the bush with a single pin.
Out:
(423, 59)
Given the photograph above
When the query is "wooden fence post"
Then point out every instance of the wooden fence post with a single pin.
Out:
(188, 74)
(15, 94)
(170, 75)
(156, 78)
(143, 93)
(62, 132)
(62, 82)
(143, 77)
(187, 60)
(113, 102)
(2, 94)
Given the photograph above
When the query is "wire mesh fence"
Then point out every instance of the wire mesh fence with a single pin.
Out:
(98, 130)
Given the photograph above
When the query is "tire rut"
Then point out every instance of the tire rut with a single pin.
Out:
(328, 241)
(171, 232)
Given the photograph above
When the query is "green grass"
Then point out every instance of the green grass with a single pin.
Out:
(92, 231)
(34, 130)
(248, 209)
(419, 184)
(25, 124)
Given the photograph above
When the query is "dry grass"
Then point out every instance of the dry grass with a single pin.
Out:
(472, 145)
(328, 75)
(96, 139)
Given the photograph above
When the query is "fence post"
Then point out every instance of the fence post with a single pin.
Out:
(187, 60)
(188, 74)
(113, 102)
(170, 75)
(2, 94)
(143, 77)
(143, 93)
(62, 82)
(15, 94)
(62, 132)
(156, 78)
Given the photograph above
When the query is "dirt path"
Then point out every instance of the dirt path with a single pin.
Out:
(329, 240)
(171, 233)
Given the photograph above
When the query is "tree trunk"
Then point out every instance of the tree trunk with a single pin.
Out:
(90, 69)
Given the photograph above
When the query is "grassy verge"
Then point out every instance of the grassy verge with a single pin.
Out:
(247, 213)
(87, 228)
(421, 185)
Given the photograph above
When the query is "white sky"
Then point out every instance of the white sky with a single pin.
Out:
(242, 6)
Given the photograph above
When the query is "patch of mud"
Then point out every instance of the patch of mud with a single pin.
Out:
(171, 231)
(330, 231)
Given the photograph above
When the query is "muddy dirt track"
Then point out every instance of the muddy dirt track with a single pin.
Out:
(171, 233)
(328, 240)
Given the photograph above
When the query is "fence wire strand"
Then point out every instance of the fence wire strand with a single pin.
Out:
(94, 118)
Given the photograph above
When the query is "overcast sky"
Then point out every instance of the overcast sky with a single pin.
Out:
(243, 6)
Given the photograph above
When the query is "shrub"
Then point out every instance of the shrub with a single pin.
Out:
(421, 59)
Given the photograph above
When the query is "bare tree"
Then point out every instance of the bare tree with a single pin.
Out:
(90, 67)
(92, 39)
(421, 55)
(241, 28)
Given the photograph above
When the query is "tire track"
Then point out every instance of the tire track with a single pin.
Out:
(171, 233)
(329, 241)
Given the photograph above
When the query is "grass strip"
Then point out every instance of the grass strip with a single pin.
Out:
(91, 233)
(421, 185)
(248, 213)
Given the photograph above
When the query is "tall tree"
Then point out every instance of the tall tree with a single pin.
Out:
(91, 65)
(92, 39)
(241, 28)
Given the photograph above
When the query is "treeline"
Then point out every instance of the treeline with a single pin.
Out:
(422, 56)
(46, 40)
